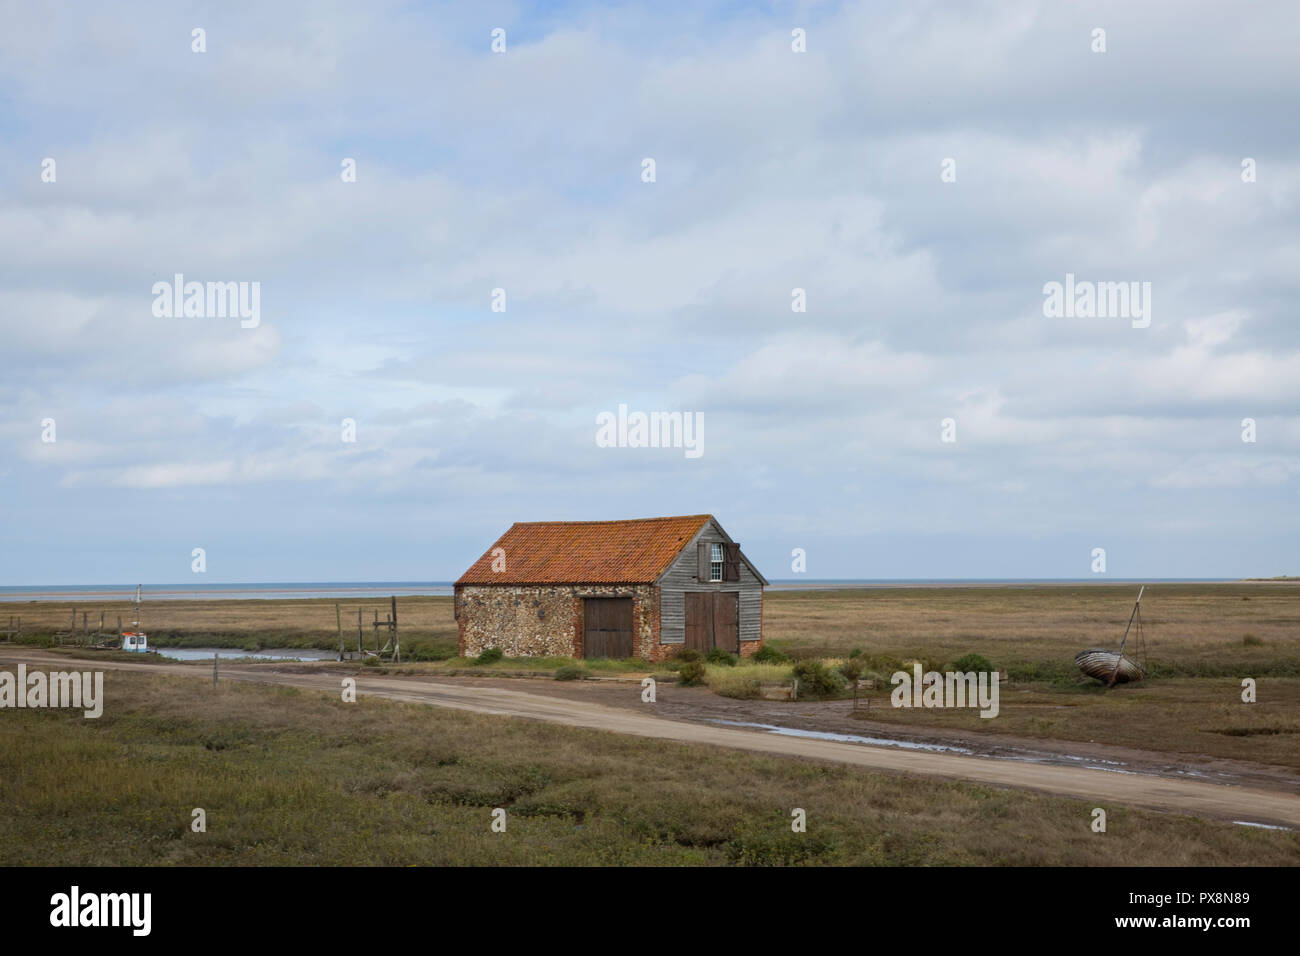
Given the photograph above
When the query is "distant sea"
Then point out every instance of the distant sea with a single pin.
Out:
(274, 590)
(368, 589)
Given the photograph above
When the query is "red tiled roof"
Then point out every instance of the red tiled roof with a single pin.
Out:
(636, 551)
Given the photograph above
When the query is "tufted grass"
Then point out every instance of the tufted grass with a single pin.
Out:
(289, 776)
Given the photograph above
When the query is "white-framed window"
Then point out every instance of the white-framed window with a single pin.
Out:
(715, 562)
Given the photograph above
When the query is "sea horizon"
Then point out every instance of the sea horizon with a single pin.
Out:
(281, 590)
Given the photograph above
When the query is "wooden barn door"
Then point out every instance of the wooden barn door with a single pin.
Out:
(607, 630)
(726, 621)
(699, 621)
(713, 620)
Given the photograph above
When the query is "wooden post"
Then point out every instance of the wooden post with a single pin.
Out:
(338, 619)
(376, 630)
(360, 649)
(397, 645)
(215, 656)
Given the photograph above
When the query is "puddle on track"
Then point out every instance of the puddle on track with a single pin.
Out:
(1024, 756)
(845, 738)
(1262, 826)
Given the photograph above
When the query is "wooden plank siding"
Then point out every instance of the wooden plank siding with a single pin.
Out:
(699, 617)
(711, 620)
(682, 577)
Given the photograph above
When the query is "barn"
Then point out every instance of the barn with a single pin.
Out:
(644, 587)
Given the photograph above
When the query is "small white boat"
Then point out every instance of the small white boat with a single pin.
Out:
(136, 640)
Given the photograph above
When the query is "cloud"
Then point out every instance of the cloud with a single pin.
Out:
(776, 171)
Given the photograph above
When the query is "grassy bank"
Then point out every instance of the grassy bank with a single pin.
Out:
(1201, 640)
(1192, 630)
(428, 628)
(1183, 716)
(294, 777)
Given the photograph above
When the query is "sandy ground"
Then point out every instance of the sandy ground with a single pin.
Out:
(1094, 773)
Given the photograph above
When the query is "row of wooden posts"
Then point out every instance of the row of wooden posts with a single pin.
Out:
(72, 634)
(82, 635)
(393, 645)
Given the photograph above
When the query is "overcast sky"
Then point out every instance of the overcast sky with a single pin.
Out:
(774, 170)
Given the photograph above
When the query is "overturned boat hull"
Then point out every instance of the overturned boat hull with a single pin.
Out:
(1101, 664)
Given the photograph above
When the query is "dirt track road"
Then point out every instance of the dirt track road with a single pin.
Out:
(1098, 787)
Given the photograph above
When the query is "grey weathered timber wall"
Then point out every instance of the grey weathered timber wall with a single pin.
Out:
(681, 577)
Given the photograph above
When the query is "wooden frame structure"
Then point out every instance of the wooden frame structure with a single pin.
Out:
(392, 646)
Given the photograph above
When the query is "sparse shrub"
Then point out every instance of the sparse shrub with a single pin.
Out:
(430, 651)
(686, 655)
(1250, 640)
(851, 669)
(738, 685)
(972, 662)
(881, 663)
(1255, 731)
(691, 673)
(571, 672)
(490, 656)
(817, 680)
(928, 664)
(719, 656)
(370, 662)
(1061, 672)
(856, 652)
(767, 654)
(745, 682)
(776, 846)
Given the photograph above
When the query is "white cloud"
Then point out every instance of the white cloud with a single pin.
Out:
(818, 171)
